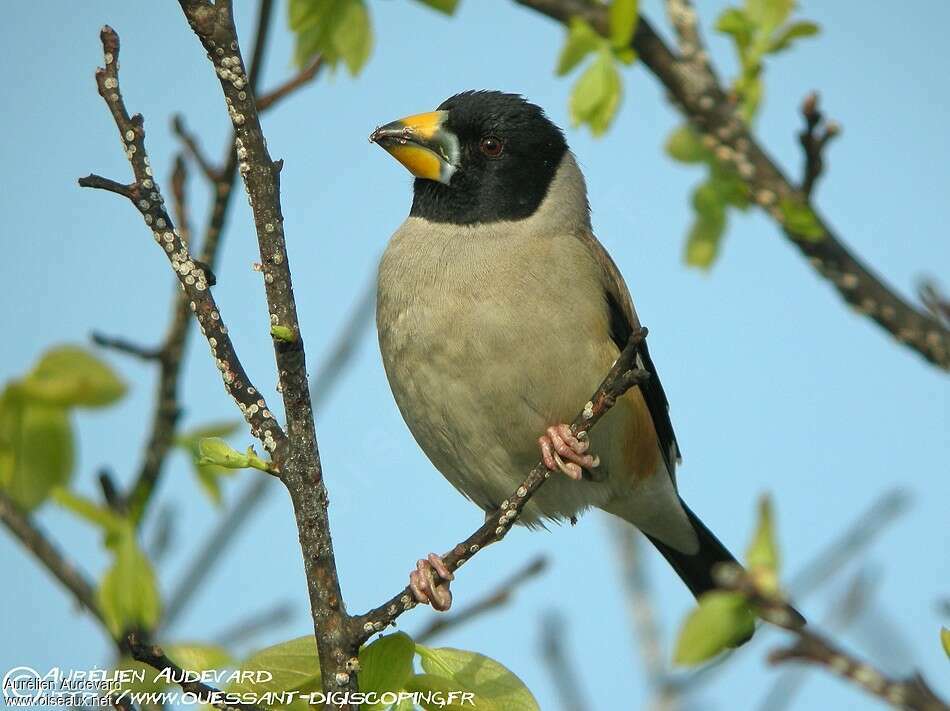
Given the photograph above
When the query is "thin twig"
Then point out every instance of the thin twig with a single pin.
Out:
(122, 345)
(814, 137)
(622, 376)
(194, 150)
(935, 300)
(712, 114)
(258, 489)
(167, 410)
(265, 621)
(155, 658)
(561, 668)
(643, 618)
(282, 91)
(813, 648)
(298, 459)
(21, 525)
(497, 597)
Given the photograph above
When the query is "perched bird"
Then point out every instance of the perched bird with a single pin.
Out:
(499, 313)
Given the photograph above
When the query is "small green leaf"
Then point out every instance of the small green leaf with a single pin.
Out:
(784, 38)
(763, 550)
(386, 665)
(128, 594)
(283, 333)
(446, 6)
(703, 240)
(622, 17)
(208, 475)
(720, 621)
(69, 376)
(596, 95)
(108, 520)
(582, 39)
(627, 55)
(945, 640)
(734, 21)
(36, 448)
(685, 146)
(129, 681)
(800, 220)
(334, 29)
(215, 451)
(769, 14)
(198, 656)
(494, 686)
(443, 694)
(293, 664)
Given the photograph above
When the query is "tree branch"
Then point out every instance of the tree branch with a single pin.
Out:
(562, 669)
(812, 648)
(814, 137)
(496, 598)
(35, 541)
(282, 91)
(167, 410)
(713, 115)
(155, 658)
(298, 458)
(622, 376)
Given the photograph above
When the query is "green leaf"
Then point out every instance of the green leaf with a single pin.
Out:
(446, 6)
(69, 376)
(36, 448)
(494, 686)
(293, 664)
(105, 518)
(622, 17)
(128, 594)
(216, 452)
(734, 21)
(444, 694)
(945, 640)
(784, 38)
(763, 550)
(769, 14)
(283, 333)
(596, 95)
(208, 475)
(386, 665)
(800, 220)
(582, 39)
(685, 146)
(720, 621)
(198, 656)
(335, 29)
(703, 240)
(129, 681)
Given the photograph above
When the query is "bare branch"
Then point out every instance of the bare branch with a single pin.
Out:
(814, 137)
(265, 621)
(155, 658)
(935, 300)
(497, 597)
(214, 175)
(713, 116)
(812, 648)
(561, 668)
(167, 410)
(298, 459)
(146, 196)
(36, 542)
(622, 376)
(122, 345)
(303, 77)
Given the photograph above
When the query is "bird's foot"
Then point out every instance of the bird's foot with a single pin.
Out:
(562, 450)
(425, 586)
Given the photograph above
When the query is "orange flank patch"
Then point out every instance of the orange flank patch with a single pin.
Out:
(641, 454)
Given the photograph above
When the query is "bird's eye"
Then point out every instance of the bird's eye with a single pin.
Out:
(491, 146)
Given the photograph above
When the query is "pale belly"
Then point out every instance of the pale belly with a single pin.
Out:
(481, 358)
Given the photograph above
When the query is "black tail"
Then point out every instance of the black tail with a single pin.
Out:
(696, 569)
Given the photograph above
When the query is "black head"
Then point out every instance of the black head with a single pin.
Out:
(497, 156)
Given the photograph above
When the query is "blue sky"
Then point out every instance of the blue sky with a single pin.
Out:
(775, 386)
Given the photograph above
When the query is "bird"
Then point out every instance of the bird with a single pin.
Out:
(499, 313)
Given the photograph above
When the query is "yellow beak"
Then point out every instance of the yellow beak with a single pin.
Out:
(422, 144)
